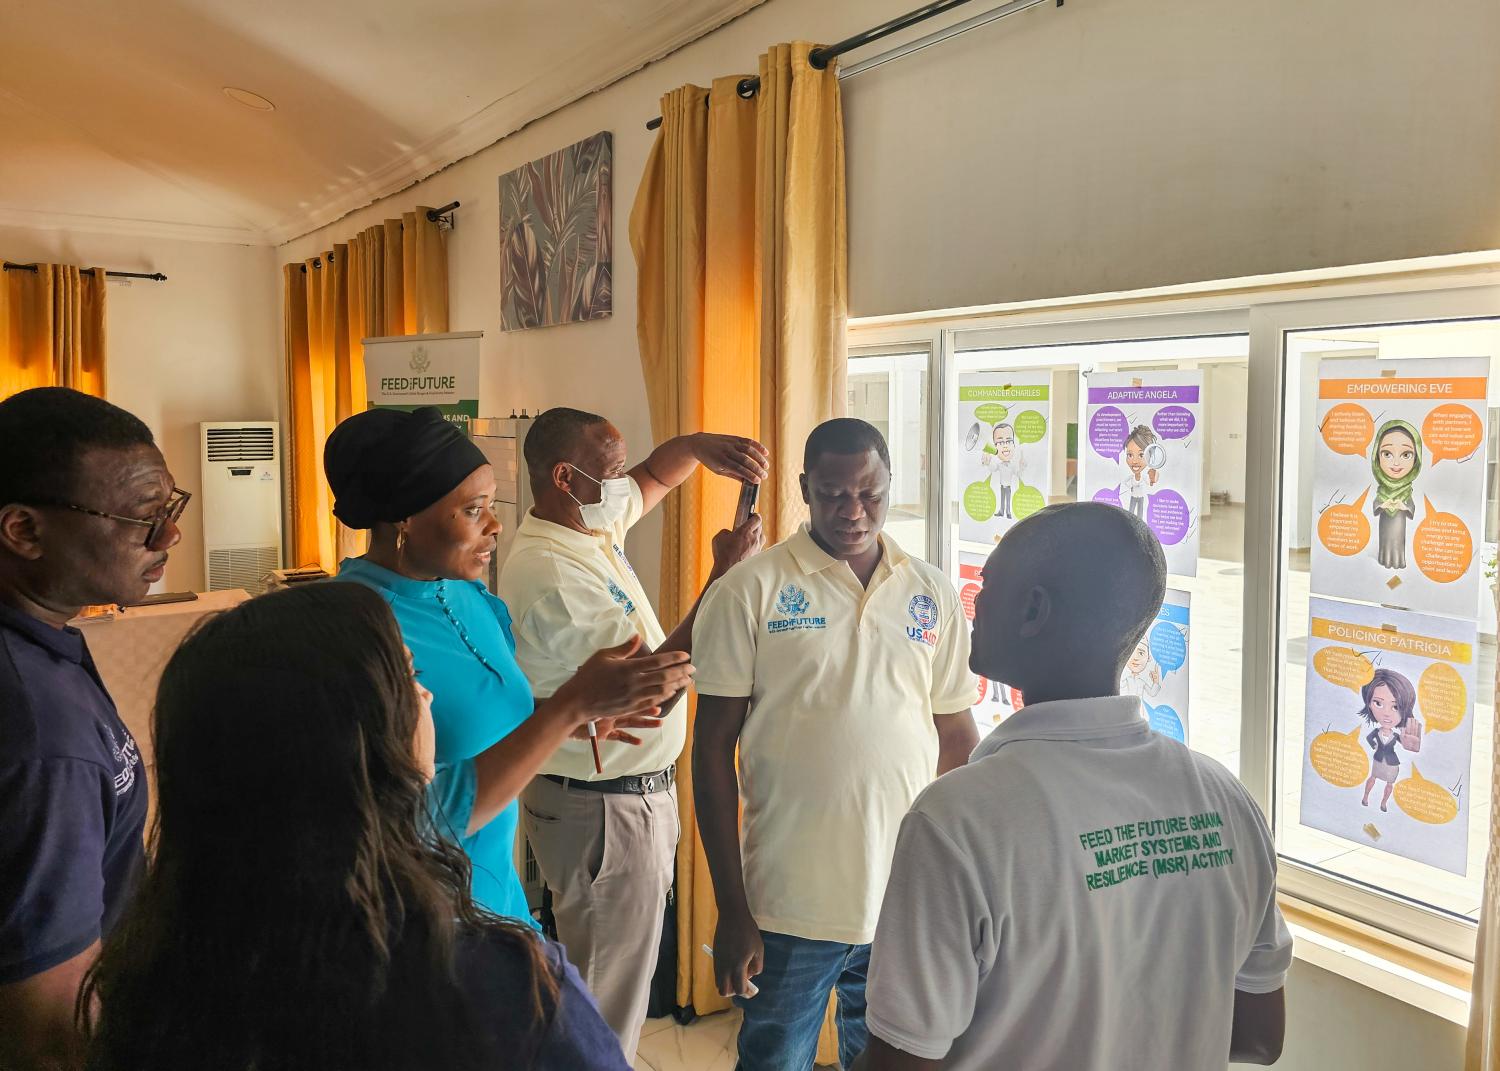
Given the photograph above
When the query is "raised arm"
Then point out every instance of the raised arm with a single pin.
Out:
(671, 463)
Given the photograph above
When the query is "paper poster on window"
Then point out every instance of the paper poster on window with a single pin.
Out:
(1398, 482)
(1157, 671)
(1390, 728)
(995, 701)
(1004, 450)
(1145, 454)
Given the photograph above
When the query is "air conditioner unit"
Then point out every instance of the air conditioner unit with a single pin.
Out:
(241, 500)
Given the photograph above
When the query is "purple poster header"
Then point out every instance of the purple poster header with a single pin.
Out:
(1138, 395)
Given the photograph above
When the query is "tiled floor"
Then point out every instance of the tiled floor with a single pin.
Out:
(706, 1045)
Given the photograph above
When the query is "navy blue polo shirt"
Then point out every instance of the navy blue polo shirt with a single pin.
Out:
(72, 799)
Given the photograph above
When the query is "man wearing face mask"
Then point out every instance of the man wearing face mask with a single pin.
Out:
(606, 842)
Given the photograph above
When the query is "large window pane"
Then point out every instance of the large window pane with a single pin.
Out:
(1201, 686)
(1387, 606)
(890, 391)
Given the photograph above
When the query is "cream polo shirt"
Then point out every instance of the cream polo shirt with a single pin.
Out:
(843, 682)
(1085, 895)
(570, 594)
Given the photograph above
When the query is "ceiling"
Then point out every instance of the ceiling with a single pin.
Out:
(113, 115)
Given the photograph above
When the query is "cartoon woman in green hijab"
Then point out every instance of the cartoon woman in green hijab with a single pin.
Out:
(1396, 462)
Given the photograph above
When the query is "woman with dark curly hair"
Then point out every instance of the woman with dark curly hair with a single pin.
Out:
(300, 908)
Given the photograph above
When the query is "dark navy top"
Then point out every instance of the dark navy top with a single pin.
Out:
(577, 1039)
(72, 799)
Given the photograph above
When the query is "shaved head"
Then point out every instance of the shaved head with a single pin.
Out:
(1067, 594)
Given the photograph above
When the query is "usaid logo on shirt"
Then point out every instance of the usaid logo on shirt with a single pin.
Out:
(626, 603)
(792, 604)
(924, 611)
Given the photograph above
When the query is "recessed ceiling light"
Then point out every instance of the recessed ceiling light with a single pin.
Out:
(249, 99)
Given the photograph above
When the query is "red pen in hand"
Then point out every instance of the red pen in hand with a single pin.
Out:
(594, 743)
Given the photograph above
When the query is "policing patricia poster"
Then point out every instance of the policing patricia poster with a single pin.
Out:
(1004, 424)
(1390, 730)
(1157, 671)
(995, 701)
(1145, 454)
(1398, 482)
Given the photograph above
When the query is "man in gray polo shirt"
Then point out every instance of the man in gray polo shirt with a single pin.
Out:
(1085, 894)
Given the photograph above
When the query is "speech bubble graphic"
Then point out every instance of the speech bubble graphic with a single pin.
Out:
(1168, 646)
(1443, 697)
(1164, 720)
(1344, 667)
(1167, 515)
(979, 500)
(1108, 430)
(1108, 495)
(966, 596)
(1452, 432)
(1426, 801)
(1173, 422)
(1339, 759)
(1348, 429)
(1345, 530)
(984, 691)
(991, 412)
(1026, 501)
(1442, 546)
(1031, 426)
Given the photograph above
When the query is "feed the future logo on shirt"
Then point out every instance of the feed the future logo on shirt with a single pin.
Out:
(924, 611)
(792, 604)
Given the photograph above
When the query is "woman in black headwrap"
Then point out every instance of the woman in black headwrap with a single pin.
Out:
(425, 492)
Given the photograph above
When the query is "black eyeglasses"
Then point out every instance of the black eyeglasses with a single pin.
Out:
(156, 523)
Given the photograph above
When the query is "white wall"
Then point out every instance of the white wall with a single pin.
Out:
(1335, 1025)
(1101, 146)
(204, 345)
(1114, 144)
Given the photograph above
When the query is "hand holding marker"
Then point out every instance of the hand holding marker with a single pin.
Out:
(750, 987)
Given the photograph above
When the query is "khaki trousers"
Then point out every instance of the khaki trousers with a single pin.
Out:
(609, 860)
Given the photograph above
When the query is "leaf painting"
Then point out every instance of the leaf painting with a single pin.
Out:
(555, 237)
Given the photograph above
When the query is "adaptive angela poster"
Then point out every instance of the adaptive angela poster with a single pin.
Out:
(1390, 729)
(1145, 454)
(1005, 463)
(995, 701)
(1157, 671)
(1398, 482)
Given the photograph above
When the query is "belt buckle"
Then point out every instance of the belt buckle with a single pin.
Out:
(649, 782)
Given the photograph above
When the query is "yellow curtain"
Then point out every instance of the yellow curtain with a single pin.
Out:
(390, 279)
(1484, 1030)
(738, 233)
(52, 328)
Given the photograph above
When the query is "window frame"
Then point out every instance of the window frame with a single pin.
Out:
(1268, 309)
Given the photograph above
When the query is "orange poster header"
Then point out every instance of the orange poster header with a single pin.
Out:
(1382, 639)
(1460, 387)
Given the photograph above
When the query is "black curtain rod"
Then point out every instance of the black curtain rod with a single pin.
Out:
(154, 276)
(821, 56)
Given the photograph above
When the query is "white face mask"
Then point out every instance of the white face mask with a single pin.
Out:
(613, 504)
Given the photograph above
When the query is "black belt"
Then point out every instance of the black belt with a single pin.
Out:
(634, 785)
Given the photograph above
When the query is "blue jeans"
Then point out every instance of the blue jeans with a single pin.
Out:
(783, 1020)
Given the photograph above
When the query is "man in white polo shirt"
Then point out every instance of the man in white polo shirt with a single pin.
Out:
(606, 842)
(1085, 894)
(837, 665)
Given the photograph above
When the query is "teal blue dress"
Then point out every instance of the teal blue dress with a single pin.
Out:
(462, 644)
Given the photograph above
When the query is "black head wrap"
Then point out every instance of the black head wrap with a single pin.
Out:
(386, 465)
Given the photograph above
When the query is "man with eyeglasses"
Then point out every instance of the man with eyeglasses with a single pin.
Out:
(88, 512)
